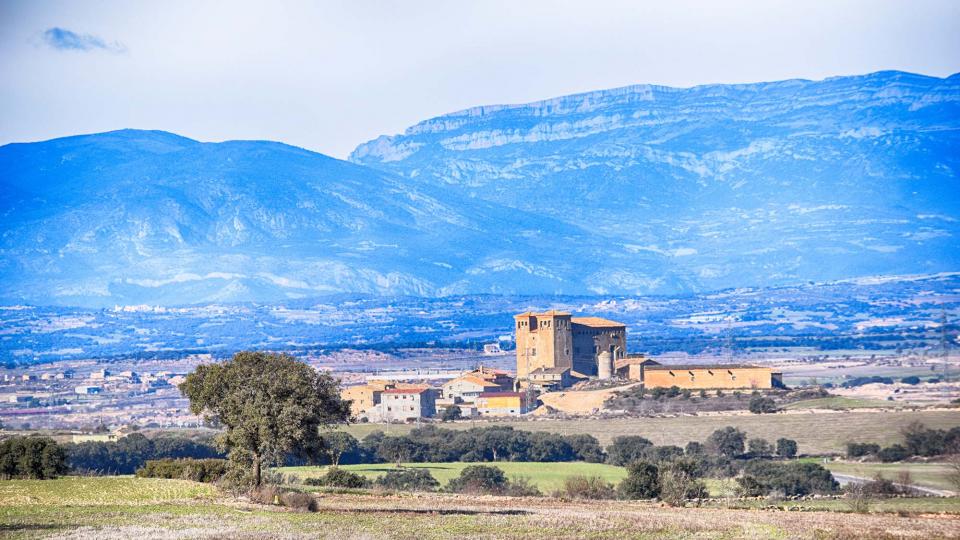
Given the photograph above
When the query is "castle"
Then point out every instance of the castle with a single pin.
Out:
(554, 348)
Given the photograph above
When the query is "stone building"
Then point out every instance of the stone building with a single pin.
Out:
(555, 339)
(404, 404)
(719, 376)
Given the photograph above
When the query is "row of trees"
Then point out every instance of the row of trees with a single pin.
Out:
(130, 453)
(918, 441)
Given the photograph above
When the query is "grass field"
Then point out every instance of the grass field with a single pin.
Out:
(839, 403)
(814, 432)
(121, 508)
(546, 476)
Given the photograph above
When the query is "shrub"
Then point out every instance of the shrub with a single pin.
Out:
(303, 502)
(678, 483)
(893, 453)
(520, 486)
(32, 457)
(198, 470)
(479, 479)
(763, 477)
(881, 487)
(761, 405)
(759, 448)
(642, 481)
(693, 448)
(588, 487)
(337, 477)
(727, 442)
(451, 414)
(266, 494)
(912, 379)
(786, 448)
(855, 449)
(857, 498)
(587, 448)
(626, 449)
(408, 480)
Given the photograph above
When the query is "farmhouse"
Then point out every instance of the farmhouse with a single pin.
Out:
(404, 404)
(719, 376)
(502, 404)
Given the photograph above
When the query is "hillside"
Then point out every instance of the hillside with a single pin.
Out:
(137, 216)
(752, 184)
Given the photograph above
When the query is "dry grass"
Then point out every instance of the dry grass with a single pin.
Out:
(434, 516)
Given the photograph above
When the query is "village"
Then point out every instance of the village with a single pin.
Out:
(554, 351)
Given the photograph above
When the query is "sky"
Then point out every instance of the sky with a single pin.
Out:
(329, 75)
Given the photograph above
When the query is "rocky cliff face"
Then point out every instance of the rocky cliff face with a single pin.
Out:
(757, 184)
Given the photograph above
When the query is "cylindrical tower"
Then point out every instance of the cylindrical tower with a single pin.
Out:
(605, 365)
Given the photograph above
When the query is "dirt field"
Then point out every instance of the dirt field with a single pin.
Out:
(815, 431)
(146, 510)
(586, 402)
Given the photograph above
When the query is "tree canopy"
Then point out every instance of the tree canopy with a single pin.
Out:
(270, 404)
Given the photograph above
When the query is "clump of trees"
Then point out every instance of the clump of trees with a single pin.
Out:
(762, 405)
(198, 470)
(337, 477)
(918, 441)
(484, 479)
(791, 478)
(38, 458)
(271, 405)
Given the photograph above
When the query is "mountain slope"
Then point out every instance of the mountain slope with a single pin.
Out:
(135, 216)
(753, 184)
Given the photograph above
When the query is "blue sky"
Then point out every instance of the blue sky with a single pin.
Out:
(330, 75)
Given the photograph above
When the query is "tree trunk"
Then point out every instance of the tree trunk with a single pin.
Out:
(256, 470)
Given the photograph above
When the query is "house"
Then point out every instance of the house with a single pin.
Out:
(501, 378)
(631, 367)
(467, 410)
(502, 404)
(364, 397)
(404, 404)
(549, 379)
(88, 390)
(468, 387)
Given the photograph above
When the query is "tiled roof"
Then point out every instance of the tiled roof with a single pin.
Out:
(718, 367)
(474, 379)
(405, 390)
(596, 322)
(554, 370)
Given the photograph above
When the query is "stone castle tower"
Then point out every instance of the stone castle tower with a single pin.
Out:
(544, 340)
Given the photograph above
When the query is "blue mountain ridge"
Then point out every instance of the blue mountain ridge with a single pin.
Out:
(639, 190)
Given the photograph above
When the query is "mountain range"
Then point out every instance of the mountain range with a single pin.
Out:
(637, 190)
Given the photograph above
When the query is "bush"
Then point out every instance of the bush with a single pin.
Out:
(893, 453)
(759, 448)
(479, 479)
(627, 449)
(520, 486)
(303, 502)
(198, 470)
(266, 494)
(761, 405)
(408, 480)
(855, 449)
(588, 487)
(38, 458)
(786, 448)
(642, 481)
(451, 414)
(764, 477)
(678, 483)
(587, 448)
(726, 442)
(337, 477)
(913, 379)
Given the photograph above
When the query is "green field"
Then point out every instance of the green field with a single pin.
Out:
(815, 433)
(125, 507)
(840, 403)
(546, 476)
